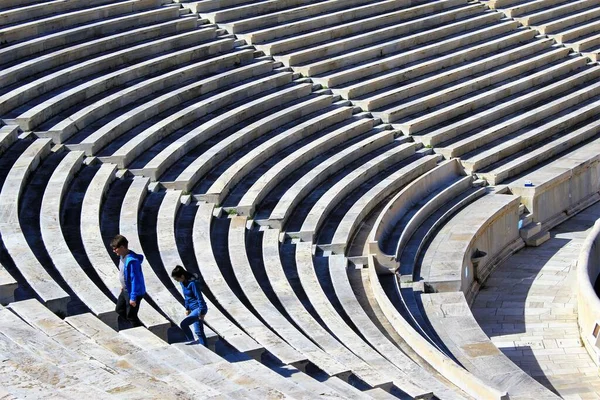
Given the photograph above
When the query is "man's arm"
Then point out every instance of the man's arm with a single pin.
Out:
(136, 281)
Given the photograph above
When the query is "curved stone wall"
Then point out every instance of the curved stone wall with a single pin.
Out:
(588, 303)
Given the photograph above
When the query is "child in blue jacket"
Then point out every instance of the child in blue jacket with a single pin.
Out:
(131, 277)
(195, 306)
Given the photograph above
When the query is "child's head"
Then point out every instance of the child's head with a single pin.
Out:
(120, 245)
(179, 273)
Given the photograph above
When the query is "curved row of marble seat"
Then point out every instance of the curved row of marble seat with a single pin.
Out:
(474, 240)
(479, 86)
(29, 89)
(119, 20)
(11, 230)
(157, 368)
(574, 24)
(16, 30)
(396, 211)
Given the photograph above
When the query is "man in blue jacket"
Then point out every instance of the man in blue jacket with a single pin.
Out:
(195, 306)
(131, 276)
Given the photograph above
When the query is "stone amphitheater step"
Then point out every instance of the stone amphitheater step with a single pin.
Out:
(122, 21)
(587, 44)
(321, 172)
(346, 229)
(535, 135)
(130, 227)
(169, 254)
(46, 360)
(449, 314)
(567, 22)
(16, 3)
(471, 60)
(352, 50)
(534, 93)
(555, 175)
(548, 12)
(271, 178)
(263, 306)
(442, 111)
(448, 368)
(96, 84)
(190, 140)
(258, 9)
(21, 31)
(11, 230)
(136, 104)
(515, 8)
(323, 307)
(234, 173)
(248, 133)
(208, 5)
(444, 261)
(566, 111)
(297, 50)
(8, 135)
(33, 66)
(95, 244)
(55, 243)
(283, 379)
(62, 332)
(412, 252)
(294, 307)
(338, 265)
(163, 48)
(8, 285)
(286, 36)
(14, 15)
(360, 282)
(218, 286)
(567, 37)
(529, 158)
(175, 122)
(372, 69)
(396, 223)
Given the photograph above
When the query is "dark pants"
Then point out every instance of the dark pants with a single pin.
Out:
(126, 310)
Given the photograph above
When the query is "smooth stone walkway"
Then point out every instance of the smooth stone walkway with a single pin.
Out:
(528, 307)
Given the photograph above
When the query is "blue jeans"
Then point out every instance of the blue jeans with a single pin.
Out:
(194, 319)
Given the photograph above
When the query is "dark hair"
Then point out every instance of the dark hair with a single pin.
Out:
(119, 241)
(180, 271)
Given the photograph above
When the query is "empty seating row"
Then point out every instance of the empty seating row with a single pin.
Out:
(572, 23)
(392, 227)
(496, 73)
(11, 230)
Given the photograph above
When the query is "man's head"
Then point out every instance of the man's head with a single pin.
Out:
(120, 245)
(179, 273)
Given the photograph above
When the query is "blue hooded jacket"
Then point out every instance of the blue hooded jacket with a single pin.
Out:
(134, 277)
(192, 291)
